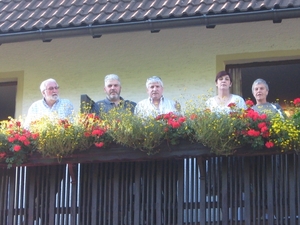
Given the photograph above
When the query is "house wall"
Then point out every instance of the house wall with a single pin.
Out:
(187, 59)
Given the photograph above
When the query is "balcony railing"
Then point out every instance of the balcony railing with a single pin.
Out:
(182, 184)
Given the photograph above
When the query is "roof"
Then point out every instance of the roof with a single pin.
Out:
(22, 20)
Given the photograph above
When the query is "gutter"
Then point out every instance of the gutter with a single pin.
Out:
(210, 21)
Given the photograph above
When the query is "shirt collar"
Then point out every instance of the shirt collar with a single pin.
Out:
(45, 103)
(109, 102)
(161, 99)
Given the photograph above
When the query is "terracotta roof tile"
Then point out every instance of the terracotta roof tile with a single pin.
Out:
(29, 15)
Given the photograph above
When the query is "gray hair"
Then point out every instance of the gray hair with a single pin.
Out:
(111, 77)
(45, 83)
(260, 81)
(154, 79)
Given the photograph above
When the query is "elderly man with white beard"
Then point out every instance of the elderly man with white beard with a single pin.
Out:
(51, 105)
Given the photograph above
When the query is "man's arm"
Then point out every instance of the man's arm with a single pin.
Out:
(130, 105)
(30, 116)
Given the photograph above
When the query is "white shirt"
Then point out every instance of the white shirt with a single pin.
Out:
(62, 108)
(214, 106)
(146, 107)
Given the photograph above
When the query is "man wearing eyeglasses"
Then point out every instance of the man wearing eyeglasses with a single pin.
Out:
(50, 105)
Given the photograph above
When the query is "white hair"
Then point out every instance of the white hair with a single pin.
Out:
(45, 83)
(111, 77)
(260, 81)
(154, 79)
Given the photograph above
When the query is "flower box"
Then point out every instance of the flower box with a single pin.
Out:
(118, 153)
(69, 140)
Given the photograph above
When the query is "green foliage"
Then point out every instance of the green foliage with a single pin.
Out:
(136, 132)
(61, 137)
(223, 133)
(16, 143)
(217, 131)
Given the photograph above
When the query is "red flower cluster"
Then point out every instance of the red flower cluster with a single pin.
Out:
(193, 116)
(257, 127)
(231, 105)
(253, 133)
(99, 144)
(91, 122)
(255, 116)
(65, 123)
(173, 125)
(269, 144)
(249, 103)
(297, 102)
(2, 155)
(18, 136)
(172, 120)
(98, 131)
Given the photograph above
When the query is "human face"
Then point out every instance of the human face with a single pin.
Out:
(155, 90)
(260, 93)
(113, 90)
(51, 93)
(223, 82)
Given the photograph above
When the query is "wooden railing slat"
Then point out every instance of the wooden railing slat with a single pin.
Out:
(229, 190)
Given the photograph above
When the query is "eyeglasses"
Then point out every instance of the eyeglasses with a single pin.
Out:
(52, 88)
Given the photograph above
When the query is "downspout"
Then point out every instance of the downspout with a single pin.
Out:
(210, 21)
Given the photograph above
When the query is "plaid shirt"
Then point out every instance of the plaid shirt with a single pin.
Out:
(62, 109)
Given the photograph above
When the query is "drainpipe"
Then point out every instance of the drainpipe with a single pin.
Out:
(210, 21)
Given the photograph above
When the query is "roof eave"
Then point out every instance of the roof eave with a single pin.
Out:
(210, 21)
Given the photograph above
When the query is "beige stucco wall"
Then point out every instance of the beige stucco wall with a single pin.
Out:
(187, 59)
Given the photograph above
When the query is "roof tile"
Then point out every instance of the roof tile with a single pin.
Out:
(28, 15)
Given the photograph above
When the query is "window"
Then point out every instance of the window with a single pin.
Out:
(282, 77)
(8, 92)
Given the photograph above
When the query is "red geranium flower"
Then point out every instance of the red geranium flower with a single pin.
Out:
(261, 125)
(26, 142)
(87, 134)
(264, 129)
(175, 124)
(98, 132)
(252, 114)
(11, 139)
(17, 136)
(17, 148)
(169, 115)
(22, 138)
(99, 144)
(231, 105)
(193, 116)
(2, 155)
(249, 103)
(297, 101)
(35, 135)
(159, 117)
(181, 119)
(263, 116)
(266, 134)
(253, 133)
(269, 144)
(93, 116)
